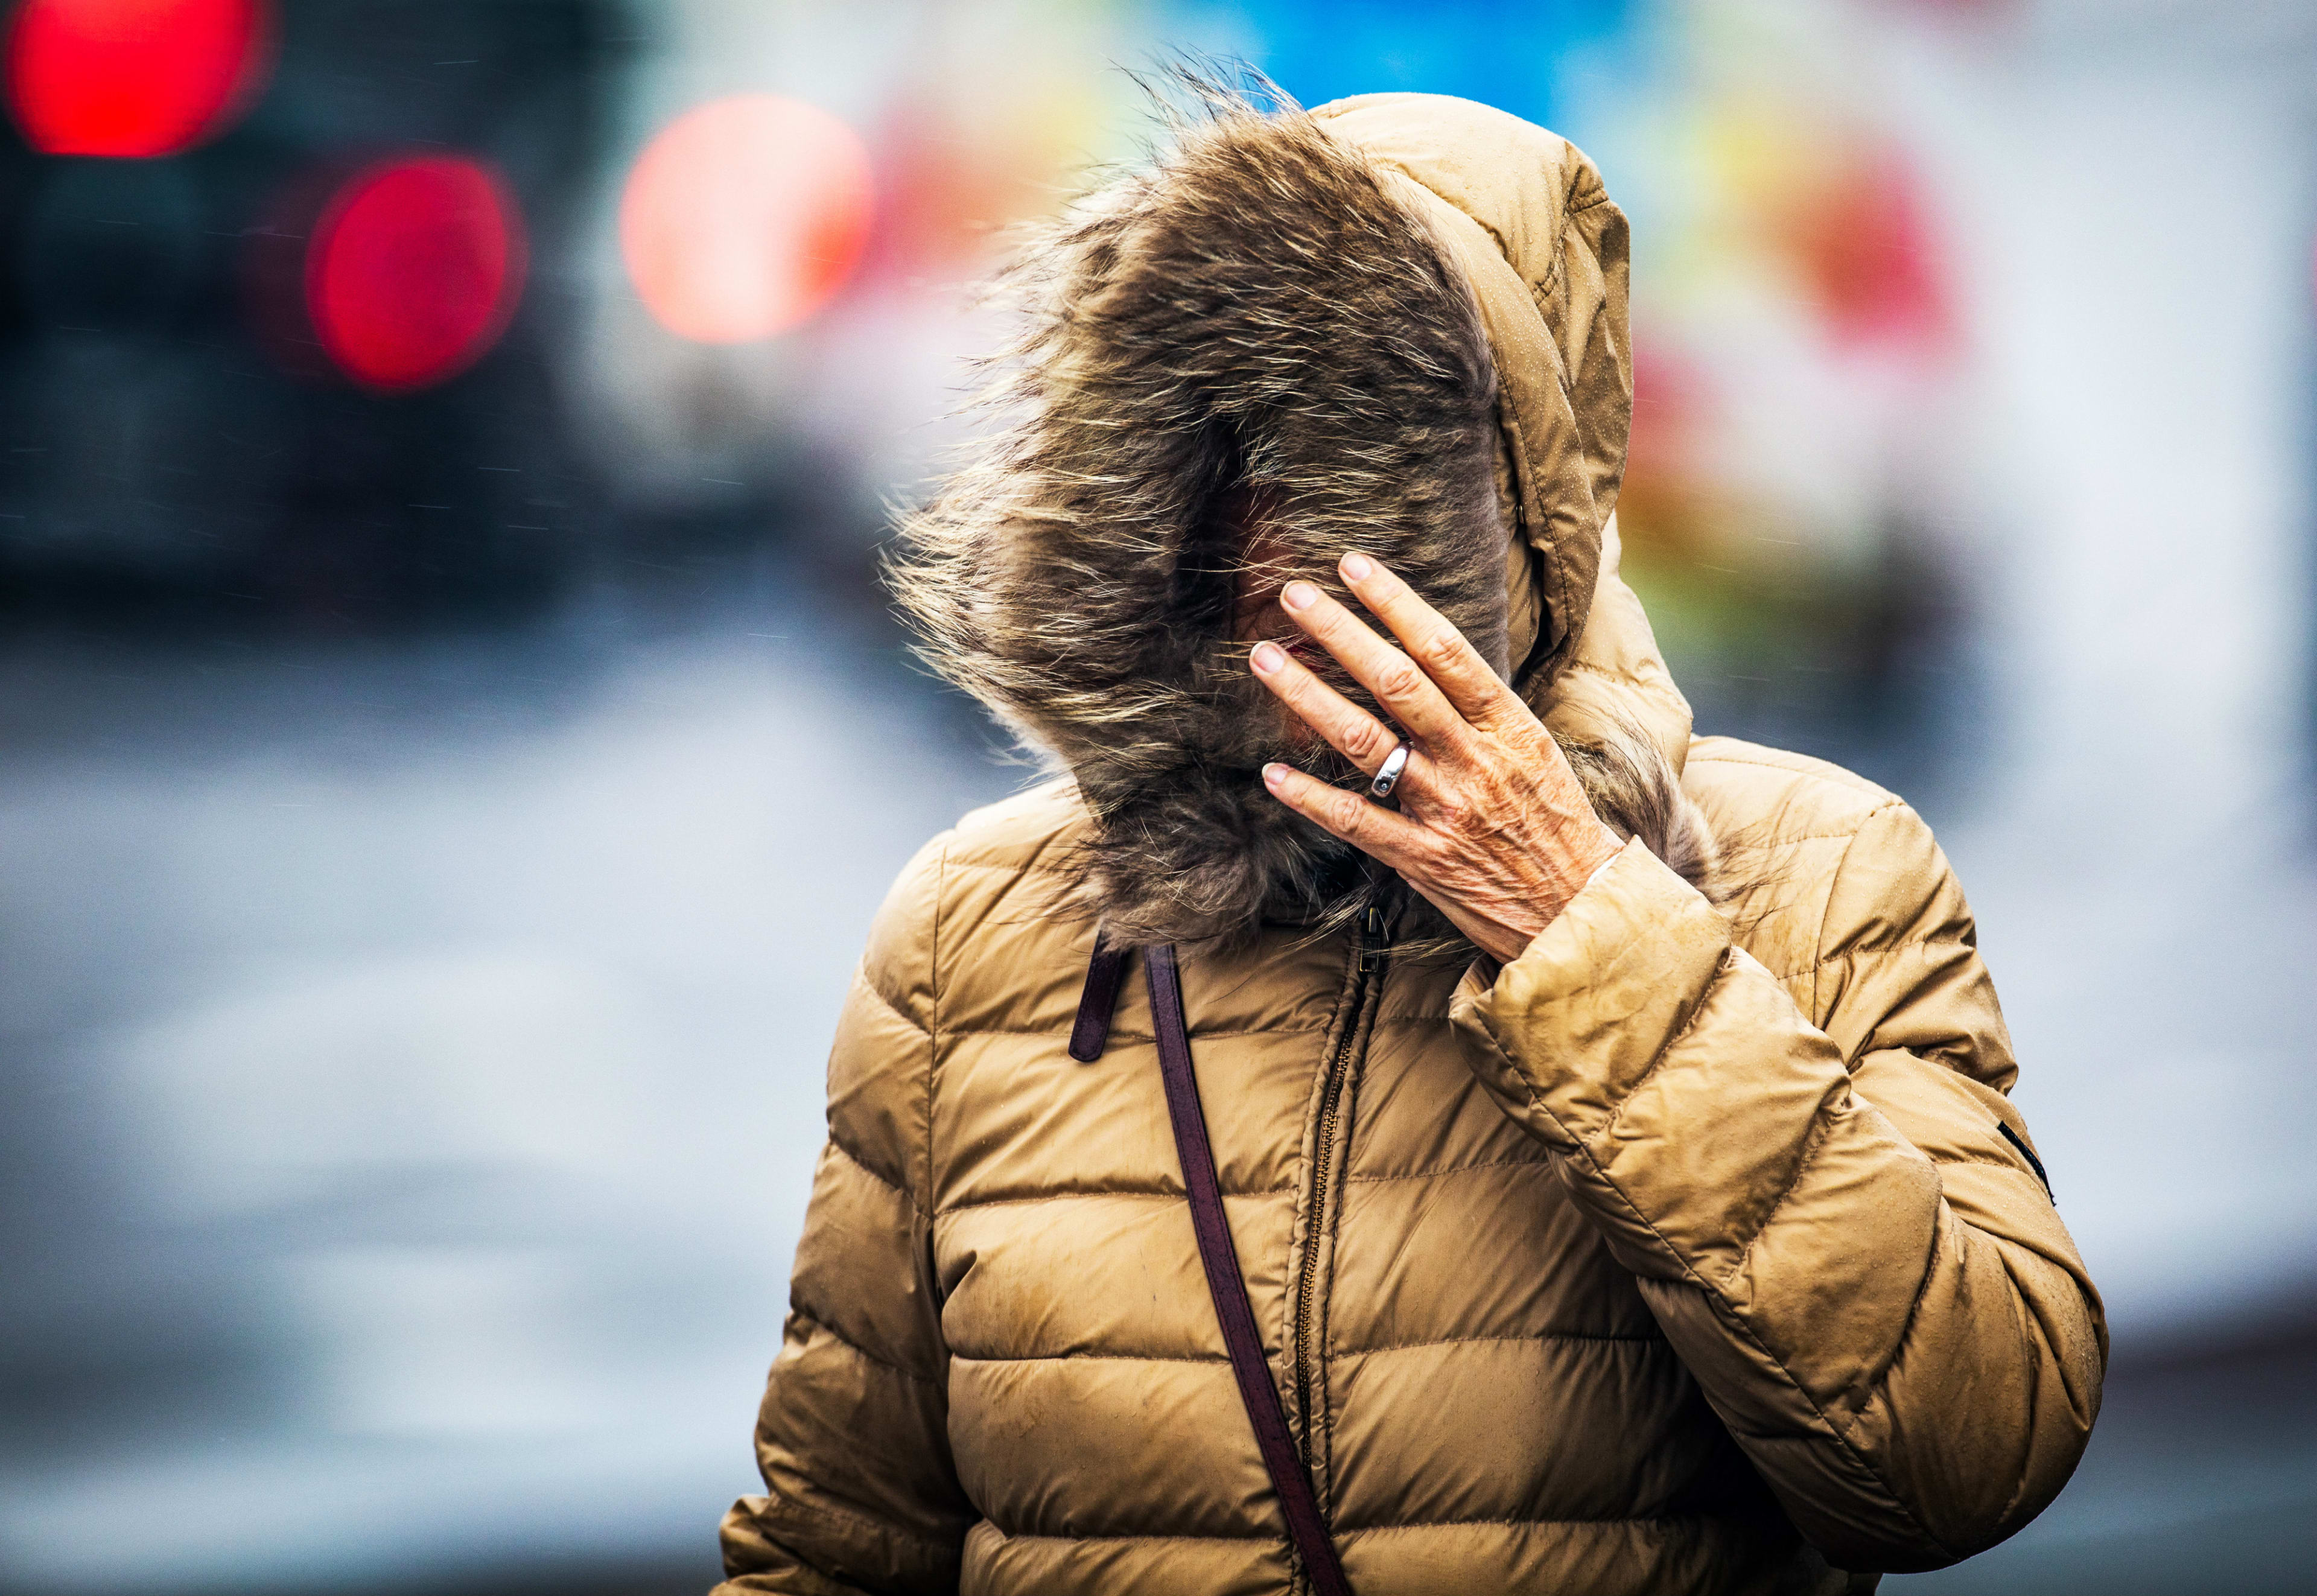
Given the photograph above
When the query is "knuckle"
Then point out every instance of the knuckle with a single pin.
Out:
(1363, 740)
(1443, 647)
(1399, 679)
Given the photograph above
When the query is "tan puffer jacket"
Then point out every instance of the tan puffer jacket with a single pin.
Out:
(1697, 1250)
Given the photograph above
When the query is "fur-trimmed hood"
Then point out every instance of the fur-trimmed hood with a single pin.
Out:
(1396, 323)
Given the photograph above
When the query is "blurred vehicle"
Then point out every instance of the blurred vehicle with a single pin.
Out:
(197, 422)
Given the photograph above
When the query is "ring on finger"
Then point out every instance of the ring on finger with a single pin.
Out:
(1387, 776)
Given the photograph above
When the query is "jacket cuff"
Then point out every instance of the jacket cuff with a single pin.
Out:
(1566, 1030)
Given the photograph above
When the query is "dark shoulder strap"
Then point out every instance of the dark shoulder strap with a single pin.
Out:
(1091, 1033)
(1305, 1527)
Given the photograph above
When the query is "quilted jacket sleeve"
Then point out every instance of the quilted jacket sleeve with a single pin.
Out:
(1833, 1223)
(861, 1493)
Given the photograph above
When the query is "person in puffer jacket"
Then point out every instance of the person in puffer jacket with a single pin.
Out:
(1611, 1124)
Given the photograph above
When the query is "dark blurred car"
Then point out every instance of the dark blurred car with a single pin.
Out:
(179, 440)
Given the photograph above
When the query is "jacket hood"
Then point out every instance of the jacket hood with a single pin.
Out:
(1396, 323)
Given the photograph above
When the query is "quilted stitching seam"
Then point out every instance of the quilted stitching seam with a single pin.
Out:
(1665, 1050)
(1536, 1337)
(1218, 1359)
(881, 1528)
(861, 1352)
(861, 975)
(1821, 1132)
(1826, 910)
(1154, 1194)
(1544, 1164)
(879, 1176)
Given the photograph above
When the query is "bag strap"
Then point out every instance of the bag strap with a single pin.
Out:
(1091, 1033)
(1297, 1501)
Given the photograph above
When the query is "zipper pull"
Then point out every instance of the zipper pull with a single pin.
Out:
(1371, 938)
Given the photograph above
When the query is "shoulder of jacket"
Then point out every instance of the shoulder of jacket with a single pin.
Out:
(953, 884)
(1023, 833)
(1775, 796)
(1821, 864)
(1842, 891)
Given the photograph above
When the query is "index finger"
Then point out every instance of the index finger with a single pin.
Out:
(1445, 653)
(1399, 685)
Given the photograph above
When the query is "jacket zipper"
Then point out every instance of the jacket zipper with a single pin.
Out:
(1367, 957)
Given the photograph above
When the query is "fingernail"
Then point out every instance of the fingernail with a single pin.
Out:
(1358, 568)
(1268, 658)
(1273, 774)
(1298, 596)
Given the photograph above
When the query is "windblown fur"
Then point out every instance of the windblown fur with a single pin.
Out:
(1631, 787)
(1251, 326)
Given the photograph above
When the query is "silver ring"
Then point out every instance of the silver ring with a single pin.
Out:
(1388, 777)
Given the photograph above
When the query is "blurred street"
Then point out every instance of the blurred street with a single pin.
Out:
(415, 1067)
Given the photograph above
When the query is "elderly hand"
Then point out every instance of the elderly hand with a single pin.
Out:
(1492, 825)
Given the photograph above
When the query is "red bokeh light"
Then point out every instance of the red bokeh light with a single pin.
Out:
(414, 271)
(1868, 249)
(744, 216)
(133, 78)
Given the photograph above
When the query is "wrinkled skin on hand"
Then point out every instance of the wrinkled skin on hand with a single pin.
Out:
(1492, 826)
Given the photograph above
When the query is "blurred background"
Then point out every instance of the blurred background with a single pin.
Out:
(452, 741)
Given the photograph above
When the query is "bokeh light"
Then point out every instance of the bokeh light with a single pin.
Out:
(133, 78)
(744, 216)
(414, 271)
(1869, 252)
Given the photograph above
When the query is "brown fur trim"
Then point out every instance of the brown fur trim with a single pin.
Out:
(1252, 320)
(1633, 788)
(1253, 325)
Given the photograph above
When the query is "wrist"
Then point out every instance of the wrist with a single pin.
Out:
(1598, 856)
(1586, 862)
